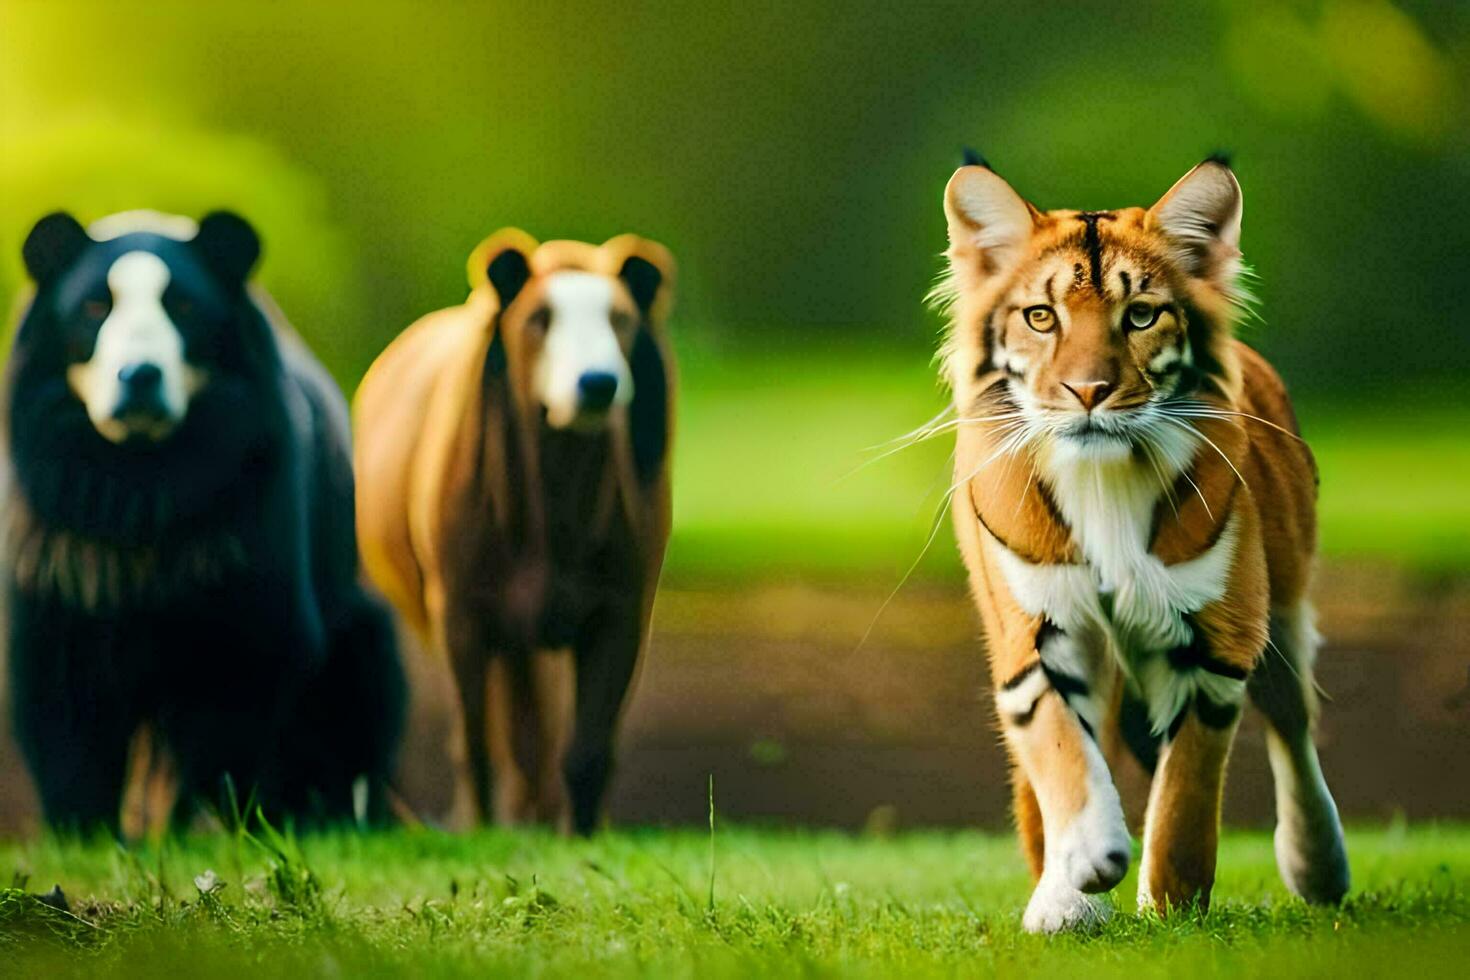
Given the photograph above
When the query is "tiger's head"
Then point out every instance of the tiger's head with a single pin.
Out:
(1087, 324)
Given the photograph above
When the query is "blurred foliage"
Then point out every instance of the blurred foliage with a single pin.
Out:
(792, 155)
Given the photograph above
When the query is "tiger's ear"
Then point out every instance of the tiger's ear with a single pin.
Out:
(53, 244)
(1200, 216)
(989, 224)
(647, 269)
(504, 261)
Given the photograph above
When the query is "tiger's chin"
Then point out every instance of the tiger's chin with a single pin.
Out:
(1090, 442)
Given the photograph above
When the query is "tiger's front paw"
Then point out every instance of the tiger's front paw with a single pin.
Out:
(1056, 906)
(1091, 853)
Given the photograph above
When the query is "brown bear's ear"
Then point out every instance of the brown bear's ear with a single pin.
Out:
(53, 245)
(229, 246)
(647, 269)
(504, 261)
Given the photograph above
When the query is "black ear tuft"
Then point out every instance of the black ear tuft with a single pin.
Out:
(1222, 157)
(53, 244)
(642, 279)
(508, 272)
(973, 158)
(228, 245)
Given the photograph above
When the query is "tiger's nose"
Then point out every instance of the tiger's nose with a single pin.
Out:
(1090, 393)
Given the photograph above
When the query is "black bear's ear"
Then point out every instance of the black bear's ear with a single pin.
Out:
(228, 245)
(503, 260)
(53, 245)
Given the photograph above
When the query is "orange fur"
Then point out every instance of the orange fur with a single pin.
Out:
(1136, 474)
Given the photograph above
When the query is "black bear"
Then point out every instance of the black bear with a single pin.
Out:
(179, 536)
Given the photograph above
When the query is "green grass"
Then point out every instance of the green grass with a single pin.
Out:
(770, 477)
(649, 902)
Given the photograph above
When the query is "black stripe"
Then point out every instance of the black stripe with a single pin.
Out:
(1018, 552)
(1067, 685)
(1093, 242)
(1051, 297)
(1215, 715)
(1024, 718)
(1020, 678)
(1197, 656)
(1133, 725)
(1085, 726)
(1051, 505)
(1176, 724)
(1045, 632)
(1200, 331)
(1127, 283)
(989, 339)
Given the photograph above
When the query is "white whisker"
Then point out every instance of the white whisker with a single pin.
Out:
(933, 533)
(1211, 443)
(1202, 410)
(925, 433)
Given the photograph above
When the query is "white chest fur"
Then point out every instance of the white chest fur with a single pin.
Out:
(1120, 589)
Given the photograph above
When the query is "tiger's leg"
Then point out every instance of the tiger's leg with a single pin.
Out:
(1182, 828)
(1048, 700)
(1194, 694)
(1027, 814)
(1309, 843)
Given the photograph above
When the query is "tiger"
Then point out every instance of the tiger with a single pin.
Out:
(1135, 508)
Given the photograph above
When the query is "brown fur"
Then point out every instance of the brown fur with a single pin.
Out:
(483, 552)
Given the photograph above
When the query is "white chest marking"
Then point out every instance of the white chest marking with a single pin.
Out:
(1120, 590)
(1108, 501)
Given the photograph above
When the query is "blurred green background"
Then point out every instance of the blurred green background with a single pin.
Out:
(793, 156)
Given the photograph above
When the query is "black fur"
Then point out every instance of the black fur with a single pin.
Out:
(648, 416)
(208, 583)
(508, 271)
(972, 158)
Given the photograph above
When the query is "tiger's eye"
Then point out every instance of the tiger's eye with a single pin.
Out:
(1141, 316)
(1042, 319)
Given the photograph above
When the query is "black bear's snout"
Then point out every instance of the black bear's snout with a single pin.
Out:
(142, 389)
(141, 378)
